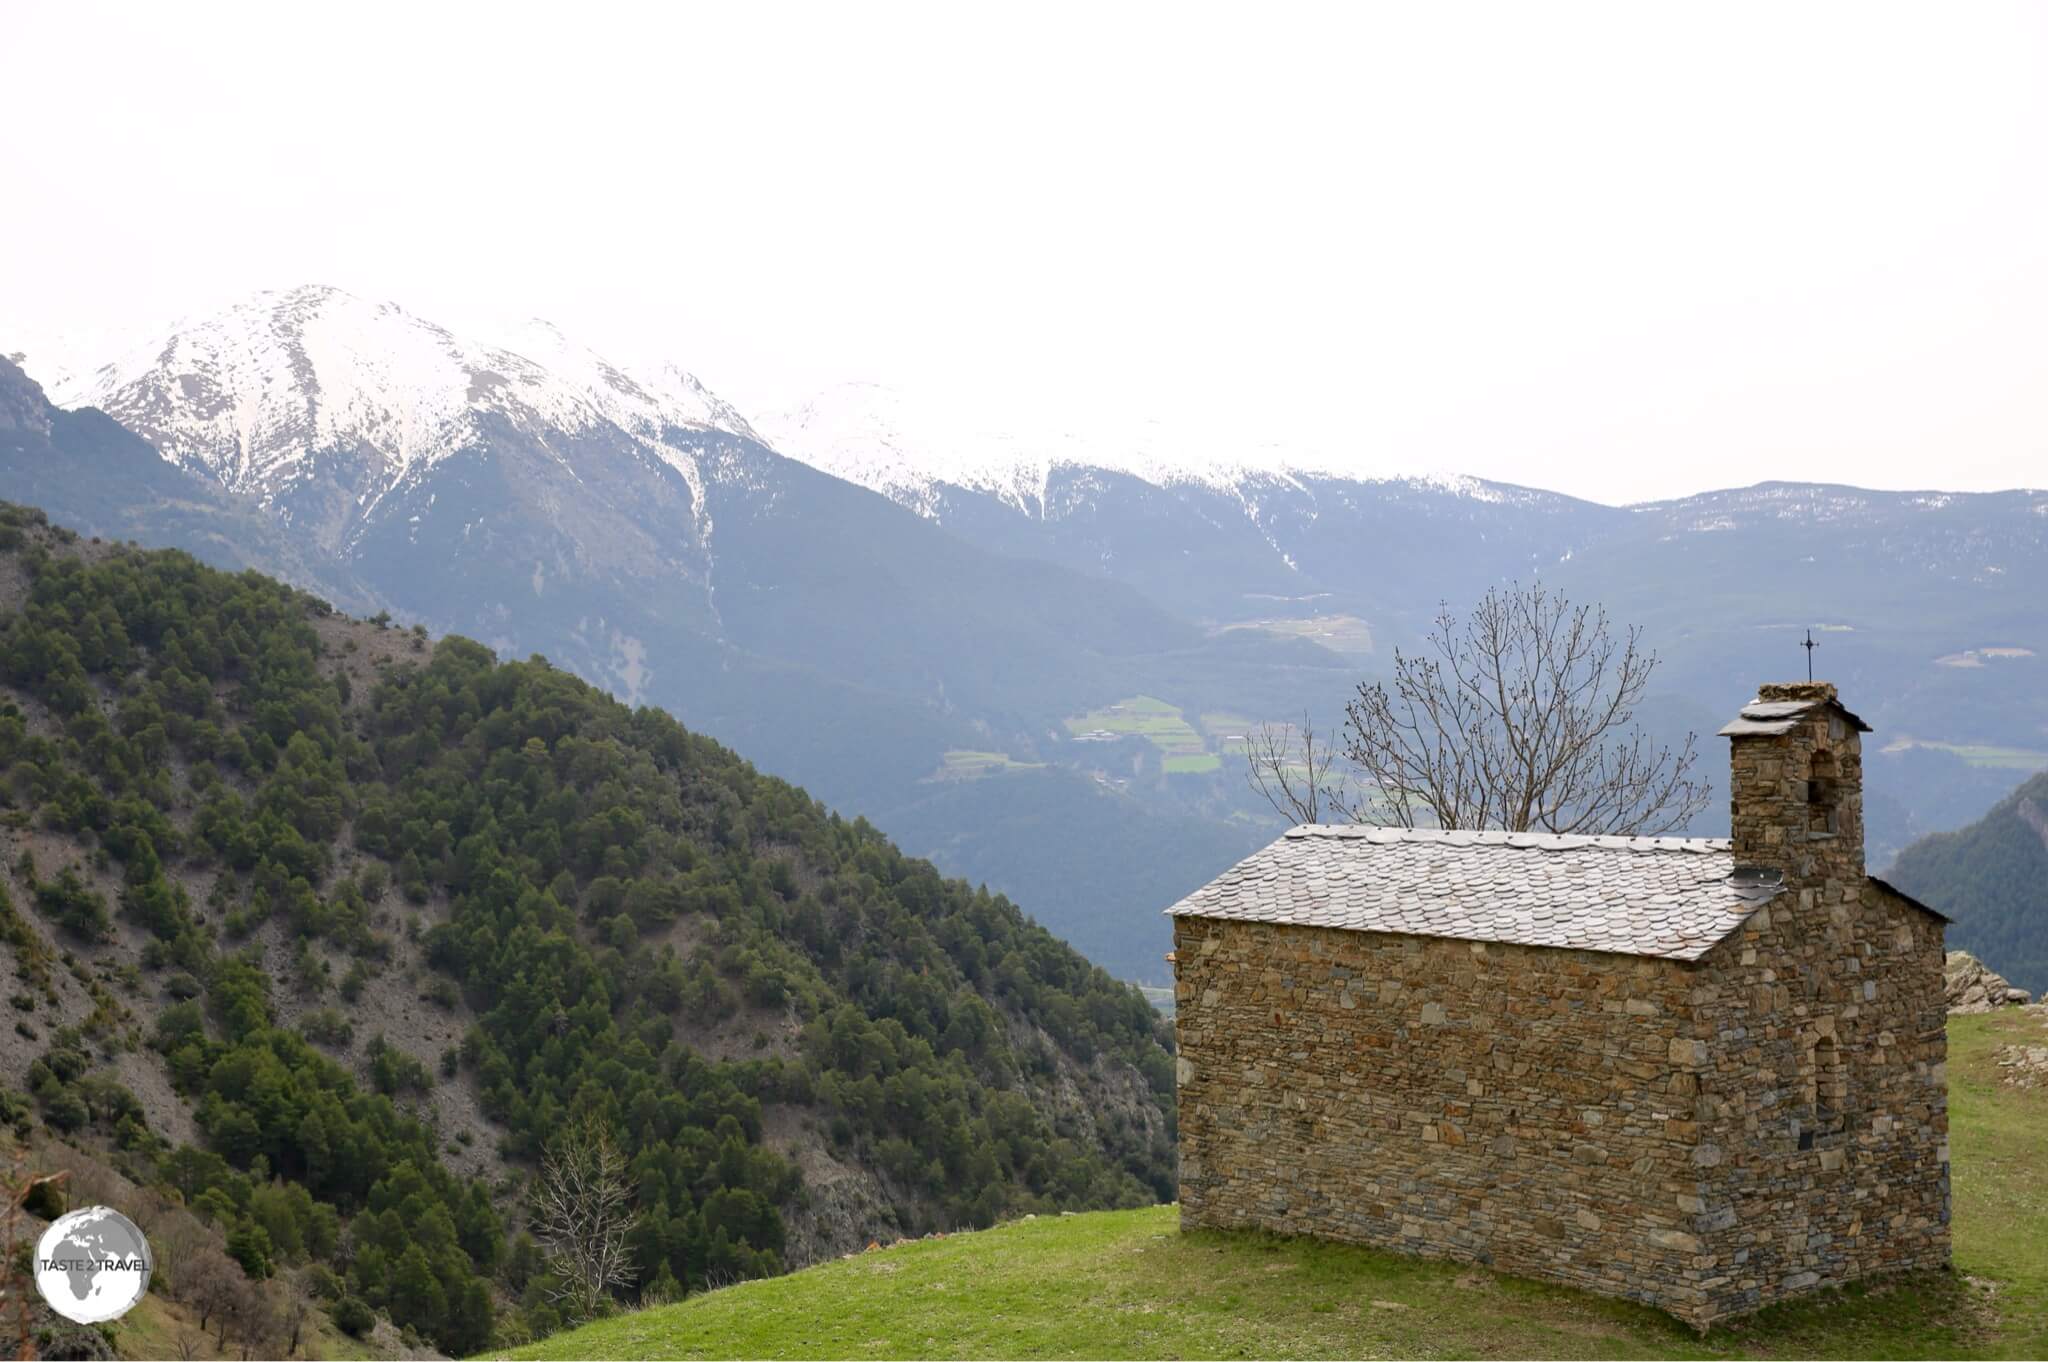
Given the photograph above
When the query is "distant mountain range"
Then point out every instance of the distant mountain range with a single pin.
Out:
(1023, 654)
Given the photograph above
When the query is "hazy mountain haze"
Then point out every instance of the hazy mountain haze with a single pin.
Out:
(1622, 252)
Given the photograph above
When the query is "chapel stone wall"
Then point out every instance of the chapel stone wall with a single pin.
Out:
(1533, 1109)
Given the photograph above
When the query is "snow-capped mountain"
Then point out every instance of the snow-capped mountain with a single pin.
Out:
(519, 488)
(914, 448)
(1217, 525)
(89, 473)
(277, 391)
(527, 492)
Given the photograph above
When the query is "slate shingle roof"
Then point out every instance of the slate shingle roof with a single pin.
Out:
(1771, 718)
(1672, 897)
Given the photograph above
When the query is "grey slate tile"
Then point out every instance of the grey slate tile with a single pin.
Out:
(1672, 897)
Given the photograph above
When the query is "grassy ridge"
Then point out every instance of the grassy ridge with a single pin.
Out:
(1129, 1284)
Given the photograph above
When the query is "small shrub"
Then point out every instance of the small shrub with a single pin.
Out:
(77, 908)
(47, 1200)
(327, 1026)
(392, 1070)
(249, 1245)
(65, 1110)
(86, 1342)
(353, 1317)
(16, 1111)
(321, 1283)
(352, 982)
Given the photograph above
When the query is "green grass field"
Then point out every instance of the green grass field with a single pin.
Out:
(1182, 750)
(964, 764)
(1338, 633)
(1229, 729)
(1978, 754)
(1129, 1284)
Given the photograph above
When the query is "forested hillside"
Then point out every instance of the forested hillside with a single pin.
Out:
(1992, 877)
(330, 928)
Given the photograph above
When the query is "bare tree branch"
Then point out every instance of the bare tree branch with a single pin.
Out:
(1520, 718)
(1293, 775)
(582, 1213)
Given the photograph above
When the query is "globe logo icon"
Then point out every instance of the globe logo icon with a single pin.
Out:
(92, 1265)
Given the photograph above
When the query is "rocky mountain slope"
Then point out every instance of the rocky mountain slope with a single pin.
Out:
(298, 898)
(1218, 529)
(93, 473)
(1992, 877)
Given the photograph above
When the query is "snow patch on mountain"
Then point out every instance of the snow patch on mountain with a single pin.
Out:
(909, 448)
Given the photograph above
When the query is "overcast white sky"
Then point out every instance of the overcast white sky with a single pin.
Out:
(1622, 251)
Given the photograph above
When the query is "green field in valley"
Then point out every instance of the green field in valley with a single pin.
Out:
(1183, 750)
(1982, 754)
(963, 764)
(1186, 747)
(1339, 633)
(1129, 1284)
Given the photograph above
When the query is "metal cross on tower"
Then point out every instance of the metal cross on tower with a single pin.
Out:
(1809, 645)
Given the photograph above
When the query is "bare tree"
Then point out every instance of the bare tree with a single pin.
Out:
(1293, 775)
(1520, 718)
(189, 1343)
(257, 1322)
(92, 1183)
(292, 1320)
(174, 1234)
(211, 1284)
(238, 1302)
(582, 1213)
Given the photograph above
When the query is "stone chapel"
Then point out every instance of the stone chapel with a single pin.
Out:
(1704, 1073)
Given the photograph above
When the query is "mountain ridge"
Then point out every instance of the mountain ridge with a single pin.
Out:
(246, 392)
(870, 433)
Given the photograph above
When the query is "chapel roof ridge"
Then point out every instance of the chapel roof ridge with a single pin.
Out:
(1528, 841)
(1780, 705)
(1673, 897)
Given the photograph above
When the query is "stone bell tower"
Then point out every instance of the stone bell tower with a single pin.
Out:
(1796, 785)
